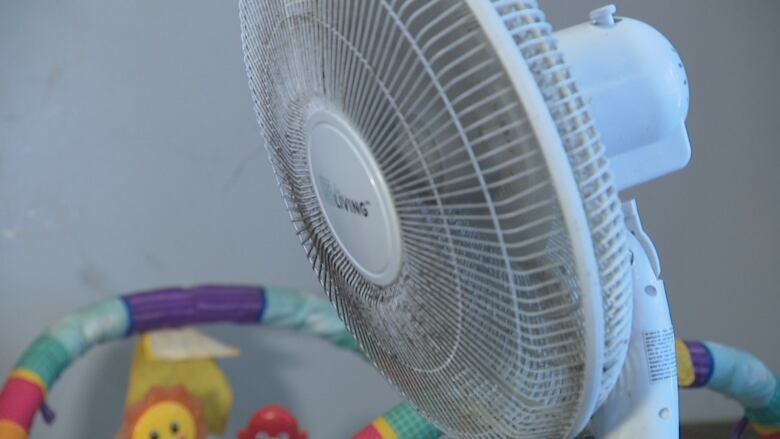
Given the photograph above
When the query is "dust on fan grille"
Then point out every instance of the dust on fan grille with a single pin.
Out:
(483, 330)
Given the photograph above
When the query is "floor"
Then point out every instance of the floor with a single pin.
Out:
(711, 431)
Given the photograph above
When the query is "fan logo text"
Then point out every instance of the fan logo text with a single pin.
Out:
(334, 197)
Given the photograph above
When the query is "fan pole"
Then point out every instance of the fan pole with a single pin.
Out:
(644, 404)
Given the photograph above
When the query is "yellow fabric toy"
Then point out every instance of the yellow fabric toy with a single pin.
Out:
(171, 358)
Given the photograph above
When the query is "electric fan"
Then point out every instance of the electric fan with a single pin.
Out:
(442, 167)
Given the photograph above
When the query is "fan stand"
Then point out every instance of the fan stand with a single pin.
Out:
(644, 404)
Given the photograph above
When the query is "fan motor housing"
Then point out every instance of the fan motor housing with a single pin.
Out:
(638, 93)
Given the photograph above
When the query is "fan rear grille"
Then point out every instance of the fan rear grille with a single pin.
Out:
(482, 331)
(534, 37)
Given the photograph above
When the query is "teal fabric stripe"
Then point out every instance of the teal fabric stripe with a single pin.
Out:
(47, 357)
(306, 313)
(409, 424)
(104, 321)
(741, 376)
(768, 415)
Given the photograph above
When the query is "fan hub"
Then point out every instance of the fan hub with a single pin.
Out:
(354, 197)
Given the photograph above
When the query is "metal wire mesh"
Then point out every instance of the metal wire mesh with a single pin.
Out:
(483, 330)
(534, 37)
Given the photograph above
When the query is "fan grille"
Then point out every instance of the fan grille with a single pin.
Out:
(534, 37)
(482, 331)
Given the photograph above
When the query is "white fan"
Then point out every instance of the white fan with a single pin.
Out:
(442, 166)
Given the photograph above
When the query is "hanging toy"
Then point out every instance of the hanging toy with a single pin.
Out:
(164, 413)
(272, 422)
(184, 357)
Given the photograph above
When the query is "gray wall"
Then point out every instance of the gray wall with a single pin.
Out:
(130, 158)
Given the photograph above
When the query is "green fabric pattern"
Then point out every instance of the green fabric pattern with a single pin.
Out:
(47, 357)
(409, 424)
(104, 321)
(306, 313)
(768, 415)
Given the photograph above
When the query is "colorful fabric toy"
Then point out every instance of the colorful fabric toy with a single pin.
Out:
(39, 367)
(272, 422)
(402, 422)
(736, 375)
(164, 413)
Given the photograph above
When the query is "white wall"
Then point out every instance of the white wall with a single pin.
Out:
(130, 159)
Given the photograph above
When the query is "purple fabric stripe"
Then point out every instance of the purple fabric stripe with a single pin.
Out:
(48, 414)
(176, 307)
(703, 364)
(739, 429)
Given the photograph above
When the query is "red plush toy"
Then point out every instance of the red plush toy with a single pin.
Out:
(275, 422)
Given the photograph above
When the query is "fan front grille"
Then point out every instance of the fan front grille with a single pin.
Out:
(483, 329)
